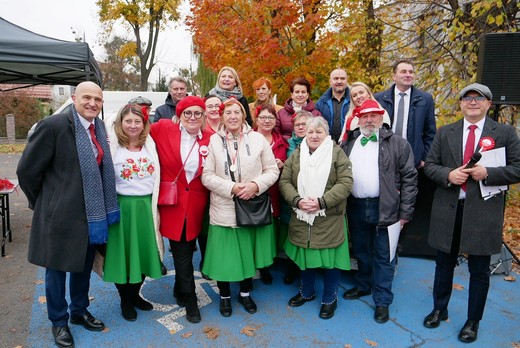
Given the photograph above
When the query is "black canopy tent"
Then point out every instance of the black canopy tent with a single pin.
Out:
(33, 59)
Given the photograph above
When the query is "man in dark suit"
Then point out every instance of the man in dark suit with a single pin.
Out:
(67, 174)
(412, 113)
(462, 221)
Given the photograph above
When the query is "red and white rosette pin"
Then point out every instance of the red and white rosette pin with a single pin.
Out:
(486, 144)
(203, 151)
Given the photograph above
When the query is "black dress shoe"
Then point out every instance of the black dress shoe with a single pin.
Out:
(298, 300)
(88, 321)
(248, 303)
(433, 320)
(128, 311)
(469, 331)
(62, 336)
(143, 305)
(327, 310)
(193, 313)
(225, 307)
(355, 293)
(381, 314)
(265, 276)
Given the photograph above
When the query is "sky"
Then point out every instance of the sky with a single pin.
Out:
(59, 18)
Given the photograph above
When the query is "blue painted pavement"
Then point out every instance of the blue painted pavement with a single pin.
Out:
(278, 325)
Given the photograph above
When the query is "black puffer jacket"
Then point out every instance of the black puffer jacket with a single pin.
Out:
(397, 176)
(167, 110)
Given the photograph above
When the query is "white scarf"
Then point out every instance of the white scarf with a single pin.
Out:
(313, 176)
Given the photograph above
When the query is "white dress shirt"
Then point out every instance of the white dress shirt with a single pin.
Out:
(397, 97)
(365, 168)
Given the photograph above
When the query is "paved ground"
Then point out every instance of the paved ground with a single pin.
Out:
(24, 321)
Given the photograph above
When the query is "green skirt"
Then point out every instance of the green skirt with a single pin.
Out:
(338, 257)
(131, 246)
(234, 253)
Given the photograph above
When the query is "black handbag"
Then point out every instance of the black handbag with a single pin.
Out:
(253, 212)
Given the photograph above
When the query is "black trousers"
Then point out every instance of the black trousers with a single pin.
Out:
(182, 252)
(478, 266)
(224, 288)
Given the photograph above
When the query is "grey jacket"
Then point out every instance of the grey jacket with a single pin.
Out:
(397, 176)
(481, 232)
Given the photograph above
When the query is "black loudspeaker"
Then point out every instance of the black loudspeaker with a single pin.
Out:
(499, 66)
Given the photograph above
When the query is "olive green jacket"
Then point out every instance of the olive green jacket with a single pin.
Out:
(327, 231)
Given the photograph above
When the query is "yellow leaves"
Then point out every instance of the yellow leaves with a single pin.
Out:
(187, 334)
(371, 343)
(458, 287)
(42, 299)
(510, 278)
(128, 50)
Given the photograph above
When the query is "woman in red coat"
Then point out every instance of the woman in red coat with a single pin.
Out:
(182, 146)
(265, 116)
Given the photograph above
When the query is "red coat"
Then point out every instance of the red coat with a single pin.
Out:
(279, 147)
(192, 198)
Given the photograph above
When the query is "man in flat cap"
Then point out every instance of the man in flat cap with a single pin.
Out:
(462, 221)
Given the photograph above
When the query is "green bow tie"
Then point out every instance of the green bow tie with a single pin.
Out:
(365, 140)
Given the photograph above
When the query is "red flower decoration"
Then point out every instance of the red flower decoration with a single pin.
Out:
(146, 116)
(126, 173)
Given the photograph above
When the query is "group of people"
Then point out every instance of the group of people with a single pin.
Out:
(343, 170)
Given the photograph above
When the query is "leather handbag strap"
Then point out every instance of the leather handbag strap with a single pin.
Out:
(185, 160)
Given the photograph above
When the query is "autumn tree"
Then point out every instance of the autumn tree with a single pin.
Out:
(145, 19)
(120, 71)
(443, 38)
(276, 38)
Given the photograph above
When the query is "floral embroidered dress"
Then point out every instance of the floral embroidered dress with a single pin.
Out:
(131, 247)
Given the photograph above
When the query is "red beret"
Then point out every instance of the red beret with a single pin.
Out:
(185, 103)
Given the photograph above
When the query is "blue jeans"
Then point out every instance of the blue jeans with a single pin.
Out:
(330, 283)
(371, 248)
(79, 284)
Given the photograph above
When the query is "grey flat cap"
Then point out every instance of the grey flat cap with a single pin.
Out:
(141, 101)
(477, 87)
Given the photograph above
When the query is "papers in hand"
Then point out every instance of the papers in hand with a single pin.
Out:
(394, 231)
(492, 158)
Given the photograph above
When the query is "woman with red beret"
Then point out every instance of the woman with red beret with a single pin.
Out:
(182, 146)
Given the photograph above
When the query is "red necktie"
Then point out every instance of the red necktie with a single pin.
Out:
(99, 157)
(469, 149)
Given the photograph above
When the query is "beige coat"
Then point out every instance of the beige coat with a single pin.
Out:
(258, 166)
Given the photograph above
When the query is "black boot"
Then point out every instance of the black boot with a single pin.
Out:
(292, 272)
(137, 300)
(265, 276)
(127, 308)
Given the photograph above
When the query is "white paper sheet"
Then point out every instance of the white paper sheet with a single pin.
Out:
(393, 237)
(492, 158)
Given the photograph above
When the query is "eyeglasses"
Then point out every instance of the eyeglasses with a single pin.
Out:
(298, 125)
(265, 118)
(471, 99)
(196, 114)
(213, 106)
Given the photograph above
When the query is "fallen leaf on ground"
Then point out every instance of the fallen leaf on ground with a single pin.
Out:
(458, 287)
(249, 330)
(187, 335)
(515, 345)
(8, 256)
(42, 299)
(510, 278)
(106, 329)
(211, 332)
(173, 332)
(347, 346)
(371, 343)
(38, 282)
